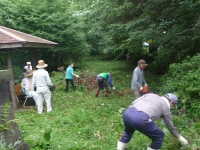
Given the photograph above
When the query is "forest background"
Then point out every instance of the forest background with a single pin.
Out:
(164, 33)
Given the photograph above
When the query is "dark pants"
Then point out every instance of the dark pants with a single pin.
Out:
(67, 84)
(101, 84)
(137, 120)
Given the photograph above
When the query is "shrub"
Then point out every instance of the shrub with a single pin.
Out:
(183, 79)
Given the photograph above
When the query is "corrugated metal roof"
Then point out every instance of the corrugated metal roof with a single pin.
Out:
(9, 36)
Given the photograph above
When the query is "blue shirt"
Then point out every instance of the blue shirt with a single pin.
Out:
(69, 72)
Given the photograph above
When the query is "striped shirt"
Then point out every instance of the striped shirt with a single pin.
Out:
(155, 107)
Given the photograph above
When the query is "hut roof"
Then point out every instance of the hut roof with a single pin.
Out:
(10, 38)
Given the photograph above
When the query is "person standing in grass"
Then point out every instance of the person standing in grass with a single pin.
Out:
(141, 115)
(138, 79)
(103, 79)
(69, 77)
(42, 82)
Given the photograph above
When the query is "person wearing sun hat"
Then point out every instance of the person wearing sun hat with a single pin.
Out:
(141, 115)
(42, 82)
(27, 85)
(138, 80)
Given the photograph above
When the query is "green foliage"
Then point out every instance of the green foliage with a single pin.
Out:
(118, 27)
(81, 121)
(4, 122)
(10, 146)
(110, 27)
(4, 115)
(51, 20)
(8, 13)
(44, 144)
(183, 79)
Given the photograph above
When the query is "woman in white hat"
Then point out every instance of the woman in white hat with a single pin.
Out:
(42, 82)
(28, 66)
(27, 85)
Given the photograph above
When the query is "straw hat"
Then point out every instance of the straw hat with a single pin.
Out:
(142, 62)
(29, 73)
(41, 64)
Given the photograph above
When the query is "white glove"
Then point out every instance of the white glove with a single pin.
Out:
(146, 85)
(141, 88)
(113, 88)
(77, 76)
(183, 140)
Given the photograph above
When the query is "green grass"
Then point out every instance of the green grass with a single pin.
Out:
(79, 121)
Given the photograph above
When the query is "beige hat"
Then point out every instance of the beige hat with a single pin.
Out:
(142, 62)
(29, 73)
(41, 64)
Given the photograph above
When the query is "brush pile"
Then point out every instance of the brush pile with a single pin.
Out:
(89, 81)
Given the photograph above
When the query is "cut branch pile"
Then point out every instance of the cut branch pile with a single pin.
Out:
(89, 81)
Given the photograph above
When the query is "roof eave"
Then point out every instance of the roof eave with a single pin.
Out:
(28, 44)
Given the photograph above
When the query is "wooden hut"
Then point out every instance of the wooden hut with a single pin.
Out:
(11, 40)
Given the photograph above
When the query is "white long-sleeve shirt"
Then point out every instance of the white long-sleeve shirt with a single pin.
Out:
(41, 78)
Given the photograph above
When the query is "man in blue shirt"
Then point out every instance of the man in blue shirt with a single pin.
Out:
(69, 76)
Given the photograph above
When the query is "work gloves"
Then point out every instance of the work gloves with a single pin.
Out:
(141, 88)
(77, 76)
(183, 140)
(51, 88)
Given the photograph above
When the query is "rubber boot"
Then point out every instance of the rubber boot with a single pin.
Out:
(107, 94)
(121, 146)
(97, 93)
(149, 148)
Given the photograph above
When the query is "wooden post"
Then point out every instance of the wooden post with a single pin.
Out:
(33, 59)
(11, 82)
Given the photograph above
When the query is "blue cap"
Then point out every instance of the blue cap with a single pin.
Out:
(172, 98)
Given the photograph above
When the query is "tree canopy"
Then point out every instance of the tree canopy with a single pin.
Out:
(171, 28)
